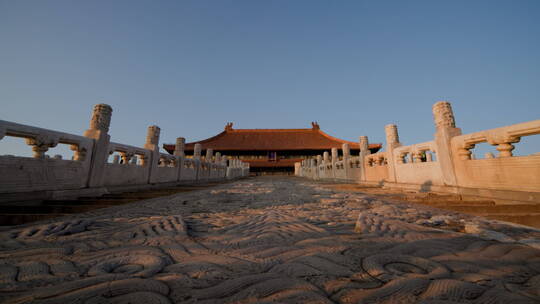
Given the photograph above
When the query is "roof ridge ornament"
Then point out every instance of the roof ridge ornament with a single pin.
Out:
(228, 126)
(315, 125)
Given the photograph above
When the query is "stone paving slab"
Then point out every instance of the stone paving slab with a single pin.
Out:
(269, 239)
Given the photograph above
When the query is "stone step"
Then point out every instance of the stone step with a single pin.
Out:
(49, 209)
(95, 202)
(495, 209)
(528, 219)
(18, 219)
(458, 203)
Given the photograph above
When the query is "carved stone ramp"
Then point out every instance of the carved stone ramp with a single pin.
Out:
(268, 240)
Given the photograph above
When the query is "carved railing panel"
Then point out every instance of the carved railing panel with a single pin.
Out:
(503, 171)
(376, 159)
(128, 153)
(41, 140)
(40, 172)
(417, 153)
(503, 138)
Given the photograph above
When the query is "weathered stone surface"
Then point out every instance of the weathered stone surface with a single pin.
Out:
(267, 240)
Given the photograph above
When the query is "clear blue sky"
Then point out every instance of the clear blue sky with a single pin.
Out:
(192, 66)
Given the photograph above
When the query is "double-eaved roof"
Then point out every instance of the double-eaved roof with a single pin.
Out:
(272, 140)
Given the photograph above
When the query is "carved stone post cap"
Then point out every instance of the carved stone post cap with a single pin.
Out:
(346, 150)
(391, 133)
(101, 117)
(209, 154)
(334, 154)
(103, 107)
(364, 142)
(326, 156)
(443, 114)
(441, 103)
(179, 146)
(197, 150)
(152, 136)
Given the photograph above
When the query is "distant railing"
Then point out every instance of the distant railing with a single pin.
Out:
(417, 153)
(131, 154)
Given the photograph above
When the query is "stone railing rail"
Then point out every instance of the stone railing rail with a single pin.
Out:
(504, 171)
(42, 140)
(89, 172)
(502, 137)
(442, 165)
(189, 163)
(375, 167)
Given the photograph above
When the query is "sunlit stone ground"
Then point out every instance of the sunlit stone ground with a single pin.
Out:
(265, 240)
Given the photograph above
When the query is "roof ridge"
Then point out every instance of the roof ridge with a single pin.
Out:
(272, 140)
(336, 139)
(270, 130)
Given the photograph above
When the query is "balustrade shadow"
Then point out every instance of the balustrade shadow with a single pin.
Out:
(426, 186)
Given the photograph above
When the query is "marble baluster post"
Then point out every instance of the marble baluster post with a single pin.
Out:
(392, 142)
(98, 131)
(209, 155)
(346, 158)
(364, 151)
(445, 126)
(152, 144)
(334, 160)
(197, 158)
(179, 153)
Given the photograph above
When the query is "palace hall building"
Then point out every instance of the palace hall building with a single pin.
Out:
(271, 150)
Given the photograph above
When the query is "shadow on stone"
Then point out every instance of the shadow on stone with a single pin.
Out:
(426, 186)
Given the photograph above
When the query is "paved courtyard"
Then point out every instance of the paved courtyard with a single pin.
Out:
(270, 239)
